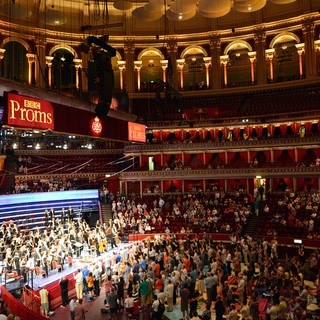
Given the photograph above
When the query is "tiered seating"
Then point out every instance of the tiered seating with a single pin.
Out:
(55, 164)
(299, 225)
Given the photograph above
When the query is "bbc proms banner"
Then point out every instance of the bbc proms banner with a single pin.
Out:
(29, 112)
(26, 112)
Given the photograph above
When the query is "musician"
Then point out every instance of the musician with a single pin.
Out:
(51, 215)
(16, 263)
(70, 214)
(37, 257)
(46, 218)
(63, 216)
(60, 257)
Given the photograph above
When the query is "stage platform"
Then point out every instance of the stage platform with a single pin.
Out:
(35, 282)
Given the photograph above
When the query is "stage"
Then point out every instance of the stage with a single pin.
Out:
(35, 282)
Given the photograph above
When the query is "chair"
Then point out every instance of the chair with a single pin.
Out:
(70, 261)
(39, 272)
(56, 266)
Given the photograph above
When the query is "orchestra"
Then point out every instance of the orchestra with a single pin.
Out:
(24, 250)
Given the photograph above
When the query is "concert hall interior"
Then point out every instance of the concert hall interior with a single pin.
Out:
(161, 143)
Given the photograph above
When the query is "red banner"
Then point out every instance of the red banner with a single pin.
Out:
(28, 112)
(136, 132)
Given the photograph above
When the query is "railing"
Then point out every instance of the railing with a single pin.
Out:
(220, 173)
(225, 145)
(18, 308)
(282, 241)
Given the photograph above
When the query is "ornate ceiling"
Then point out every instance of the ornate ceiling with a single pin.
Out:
(146, 17)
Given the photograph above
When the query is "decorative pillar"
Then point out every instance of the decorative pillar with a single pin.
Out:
(269, 55)
(137, 67)
(252, 58)
(180, 65)
(78, 66)
(260, 44)
(164, 66)
(49, 64)
(31, 60)
(84, 73)
(2, 51)
(172, 74)
(317, 48)
(311, 65)
(207, 63)
(129, 49)
(122, 68)
(300, 51)
(215, 47)
(224, 61)
(40, 61)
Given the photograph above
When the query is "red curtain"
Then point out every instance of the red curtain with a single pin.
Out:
(317, 152)
(144, 160)
(291, 154)
(308, 126)
(166, 158)
(178, 135)
(244, 156)
(157, 160)
(165, 135)
(283, 129)
(186, 158)
(253, 154)
(230, 156)
(276, 154)
(301, 153)
(200, 156)
(156, 134)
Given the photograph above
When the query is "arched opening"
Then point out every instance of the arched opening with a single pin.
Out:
(63, 71)
(16, 62)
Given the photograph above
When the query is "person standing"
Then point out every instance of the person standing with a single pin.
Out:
(72, 305)
(96, 275)
(208, 284)
(282, 309)
(219, 308)
(169, 291)
(185, 295)
(79, 284)
(112, 300)
(44, 299)
(64, 283)
(79, 312)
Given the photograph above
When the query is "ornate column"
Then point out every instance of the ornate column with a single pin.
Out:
(269, 56)
(224, 61)
(260, 44)
(40, 61)
(137, 67)
(84, 72)
(215, 47)
(308, 35)
(164, 66)
(317, 48)
(207, 63)
(129, 49)
(2, 51)
(180, 65)
(122, 68)
(78, 66)
(172, 71)
(252, 58)
(31, 60)
(49, 64)
(300, 50)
